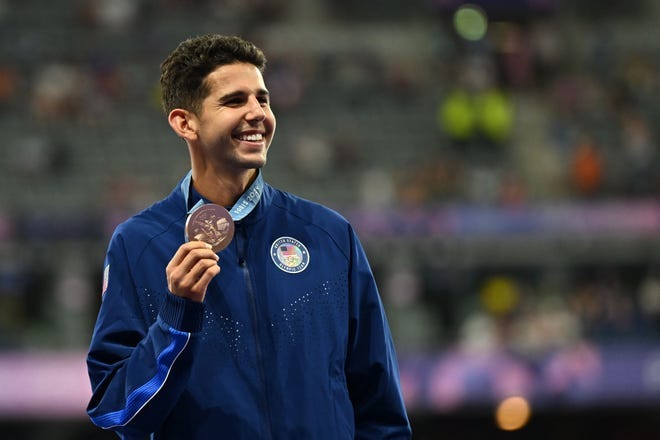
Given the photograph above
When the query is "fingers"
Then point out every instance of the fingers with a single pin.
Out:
(188, 247)
(191, 269)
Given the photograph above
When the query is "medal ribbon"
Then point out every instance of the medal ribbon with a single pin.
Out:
(245, 204)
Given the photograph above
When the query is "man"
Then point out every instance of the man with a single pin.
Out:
(281, 335)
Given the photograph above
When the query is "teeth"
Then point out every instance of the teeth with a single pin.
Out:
(251, 137)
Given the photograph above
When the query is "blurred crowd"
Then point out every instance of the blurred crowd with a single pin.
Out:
(526, 310)
(377, 110)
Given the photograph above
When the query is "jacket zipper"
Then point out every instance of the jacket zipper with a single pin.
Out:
(242, 262)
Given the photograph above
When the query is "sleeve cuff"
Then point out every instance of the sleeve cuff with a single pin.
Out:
(182, 314)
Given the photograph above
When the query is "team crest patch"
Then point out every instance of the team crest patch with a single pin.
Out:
(289, 255)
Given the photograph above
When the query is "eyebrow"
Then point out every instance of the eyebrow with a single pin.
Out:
(241, 94)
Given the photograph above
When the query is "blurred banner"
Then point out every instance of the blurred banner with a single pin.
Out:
(43, 385)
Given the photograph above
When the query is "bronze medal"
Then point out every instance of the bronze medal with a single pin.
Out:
(211, 224)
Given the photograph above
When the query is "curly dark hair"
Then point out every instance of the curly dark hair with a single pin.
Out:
(184, 71)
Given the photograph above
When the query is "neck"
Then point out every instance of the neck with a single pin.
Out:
(223, 190)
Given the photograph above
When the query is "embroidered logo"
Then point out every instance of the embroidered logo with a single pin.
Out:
(289, 255)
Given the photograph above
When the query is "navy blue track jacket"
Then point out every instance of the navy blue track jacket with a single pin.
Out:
(291, 342)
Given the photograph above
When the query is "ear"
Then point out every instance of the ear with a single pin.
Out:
(183, 123)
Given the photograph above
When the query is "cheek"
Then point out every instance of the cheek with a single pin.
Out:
(272, 121)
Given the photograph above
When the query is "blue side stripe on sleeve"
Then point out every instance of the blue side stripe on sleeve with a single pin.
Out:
(143, 394)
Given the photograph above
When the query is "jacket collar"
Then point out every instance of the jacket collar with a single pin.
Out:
(250, 207)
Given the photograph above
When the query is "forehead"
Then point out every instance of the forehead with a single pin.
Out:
(234, 77)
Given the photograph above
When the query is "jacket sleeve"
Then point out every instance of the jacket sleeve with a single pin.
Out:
(138, 370)
(371, 369)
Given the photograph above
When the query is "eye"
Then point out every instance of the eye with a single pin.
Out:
(234, 102)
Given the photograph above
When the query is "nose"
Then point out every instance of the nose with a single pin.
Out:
(255, 112)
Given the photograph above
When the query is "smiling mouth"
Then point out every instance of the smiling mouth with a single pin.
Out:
(254, 137)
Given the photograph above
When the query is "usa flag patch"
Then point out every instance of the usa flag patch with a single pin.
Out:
(289, 255)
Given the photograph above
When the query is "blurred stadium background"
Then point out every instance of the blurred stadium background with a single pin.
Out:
(499, 160)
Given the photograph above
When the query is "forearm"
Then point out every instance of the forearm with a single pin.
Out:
(136, 386)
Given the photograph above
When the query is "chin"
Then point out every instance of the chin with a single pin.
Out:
(259, 160)
(254, 164)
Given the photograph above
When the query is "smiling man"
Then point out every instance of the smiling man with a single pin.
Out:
(280, 333)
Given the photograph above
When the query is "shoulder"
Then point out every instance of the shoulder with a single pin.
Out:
(315, 218)
(154, 221)
(308, 211)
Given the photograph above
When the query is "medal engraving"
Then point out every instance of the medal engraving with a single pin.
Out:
(211, 224)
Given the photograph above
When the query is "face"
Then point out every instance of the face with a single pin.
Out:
(235, 125)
